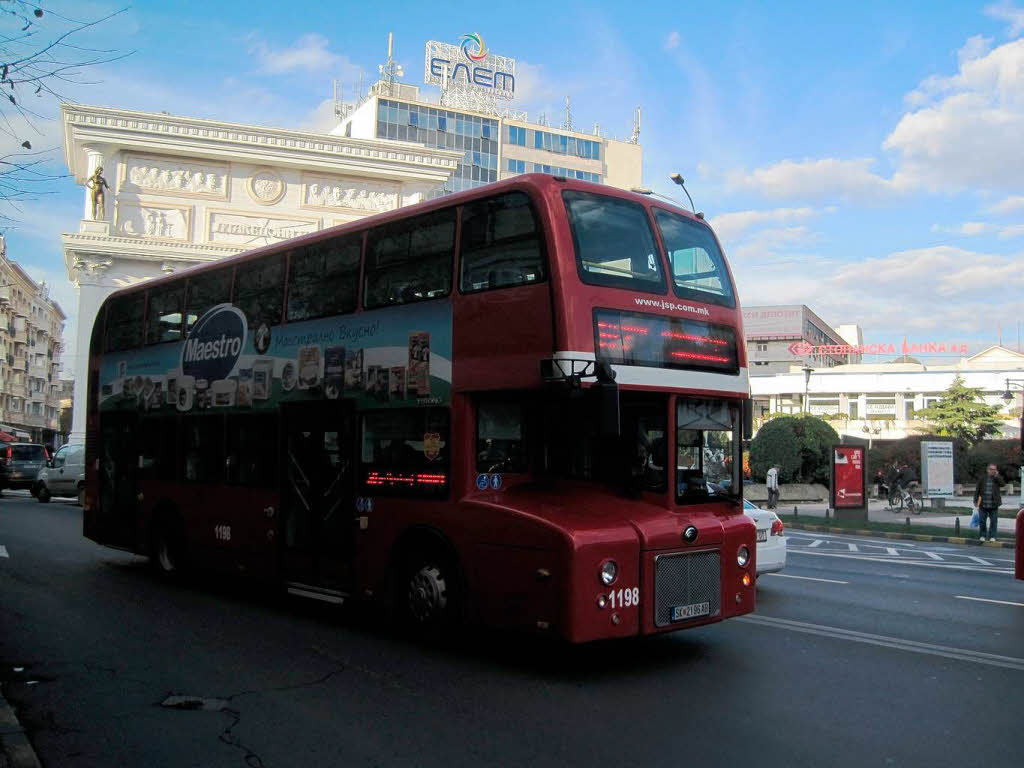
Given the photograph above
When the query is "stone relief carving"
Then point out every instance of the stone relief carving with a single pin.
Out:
(174, 177)
(143, 220)
(247, 230)
(266, 187)
(327, 192)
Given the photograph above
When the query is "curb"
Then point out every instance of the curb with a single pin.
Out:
(15, 749)
(905, 536)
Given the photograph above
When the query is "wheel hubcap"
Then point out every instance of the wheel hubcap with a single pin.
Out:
(165, 556)
(428, 593)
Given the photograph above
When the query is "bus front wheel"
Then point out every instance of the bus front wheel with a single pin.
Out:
(429, 593)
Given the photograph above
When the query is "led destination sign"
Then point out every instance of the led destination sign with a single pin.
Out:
(630, 338)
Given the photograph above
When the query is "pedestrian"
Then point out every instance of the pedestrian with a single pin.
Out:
(772, 482)
(988, 498)
(892, 480)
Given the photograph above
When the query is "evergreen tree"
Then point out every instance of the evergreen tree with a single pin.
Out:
(961, 412)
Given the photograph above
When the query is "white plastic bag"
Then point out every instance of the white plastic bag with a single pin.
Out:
(975, 518)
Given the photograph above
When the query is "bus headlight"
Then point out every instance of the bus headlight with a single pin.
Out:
(742, 556)
(609, 572)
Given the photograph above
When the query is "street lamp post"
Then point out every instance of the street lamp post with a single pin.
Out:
(1008, 397)
(807, 384)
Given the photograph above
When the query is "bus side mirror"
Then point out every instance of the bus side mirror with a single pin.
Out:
(748, 419)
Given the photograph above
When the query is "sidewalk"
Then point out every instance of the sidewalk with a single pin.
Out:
(878, 512)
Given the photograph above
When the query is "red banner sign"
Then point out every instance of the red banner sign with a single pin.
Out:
(803, 348)
(849, 475)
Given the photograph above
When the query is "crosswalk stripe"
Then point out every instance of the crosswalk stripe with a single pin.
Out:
(932, 555)
(3, 551)
(978, 560)
(853, 547)
(892, 551)
(815, 543)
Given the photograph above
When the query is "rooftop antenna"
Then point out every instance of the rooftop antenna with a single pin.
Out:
(635, 137)
(567, 125)
(390, 69)
(361, 74)
(339, 110)
(542, 118)
(597, 129)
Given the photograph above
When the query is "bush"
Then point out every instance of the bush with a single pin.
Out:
(908, 451)
(1005, 454)
(800, 445)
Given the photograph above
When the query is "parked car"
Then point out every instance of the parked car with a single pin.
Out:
(64, 475)
(771, 534)
(20, 464)
(771, 538)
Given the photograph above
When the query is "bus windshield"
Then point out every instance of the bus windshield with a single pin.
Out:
(614, 242)
(698, 269)
(707, 450)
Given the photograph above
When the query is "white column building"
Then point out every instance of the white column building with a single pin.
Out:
(183, 191)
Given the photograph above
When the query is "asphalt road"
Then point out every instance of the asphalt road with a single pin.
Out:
(856, 657)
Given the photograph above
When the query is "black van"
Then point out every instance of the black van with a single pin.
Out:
(20, 464)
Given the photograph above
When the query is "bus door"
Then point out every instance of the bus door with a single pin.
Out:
(317, 497)
(118, 479)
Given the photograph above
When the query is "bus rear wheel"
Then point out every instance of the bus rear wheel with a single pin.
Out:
(168, 549)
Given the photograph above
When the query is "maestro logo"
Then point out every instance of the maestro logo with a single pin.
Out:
(467, 47)
(214, 344)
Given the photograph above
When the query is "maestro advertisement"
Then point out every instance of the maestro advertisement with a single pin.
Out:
(393, 357)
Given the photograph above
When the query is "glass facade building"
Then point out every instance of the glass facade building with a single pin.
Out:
(477, 137)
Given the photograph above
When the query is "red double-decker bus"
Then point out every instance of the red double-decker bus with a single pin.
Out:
(521, 405)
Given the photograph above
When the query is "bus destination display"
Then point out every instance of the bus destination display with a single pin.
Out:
(630, 338)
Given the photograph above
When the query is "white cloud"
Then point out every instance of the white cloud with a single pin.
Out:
(1016, 230)
(672, 41)
(729, 226)
(1008, 12)
(308, 54)
(1008, 205)
(968, 228)
(944, 289)
(813, 180)
(967, 130)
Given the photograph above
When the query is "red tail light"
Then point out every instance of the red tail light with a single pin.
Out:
(46, 453)
(6, 457)
(777, 528)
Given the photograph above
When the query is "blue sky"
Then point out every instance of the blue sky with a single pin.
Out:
(866, 162)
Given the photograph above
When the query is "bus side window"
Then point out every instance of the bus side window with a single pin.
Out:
(251, 451)
(410, 260)
(499, 437)
(201, 438)
(501, 244)
(406, 452)
(206, 291)
(259, 290)
(124, 322)
(163, 320)
(323, 278)
(157, 454)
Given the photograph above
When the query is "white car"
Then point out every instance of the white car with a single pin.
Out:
(771, 538)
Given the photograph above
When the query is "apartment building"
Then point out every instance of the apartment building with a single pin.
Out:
(31, 328)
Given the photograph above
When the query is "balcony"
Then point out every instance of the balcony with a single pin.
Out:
(20, 337)
(39, 372)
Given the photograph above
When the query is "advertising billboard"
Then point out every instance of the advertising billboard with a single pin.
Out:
(937, 468)
(848, 477)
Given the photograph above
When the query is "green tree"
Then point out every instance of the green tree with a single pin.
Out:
(800, 445)
(961, 412)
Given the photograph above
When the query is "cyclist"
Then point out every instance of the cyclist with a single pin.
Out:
(892, 481)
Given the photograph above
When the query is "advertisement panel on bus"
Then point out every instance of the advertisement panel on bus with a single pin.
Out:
(222, 363)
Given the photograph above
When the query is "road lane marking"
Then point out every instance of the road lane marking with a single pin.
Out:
(815, 543)
(986, 600)
(805, 578)
(903, 561)
(853, 547)
(978, 560)
(932, 555)
(892, 551)
(843, 538)
(3, 551)
(895, 643)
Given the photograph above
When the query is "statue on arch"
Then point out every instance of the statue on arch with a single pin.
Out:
(96, 184)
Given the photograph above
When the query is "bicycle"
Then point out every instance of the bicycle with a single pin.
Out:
(898, 497)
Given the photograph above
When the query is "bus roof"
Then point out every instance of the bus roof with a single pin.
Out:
(540, 183)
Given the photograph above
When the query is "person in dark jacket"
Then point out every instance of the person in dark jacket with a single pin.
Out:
(988, 498)
(892, 479)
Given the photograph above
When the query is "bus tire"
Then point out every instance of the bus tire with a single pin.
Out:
(168, 548)
(81, 494)
(428, 591)
(42, 494)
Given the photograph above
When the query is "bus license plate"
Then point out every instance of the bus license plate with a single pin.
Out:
(762, 535)
(680, 612)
